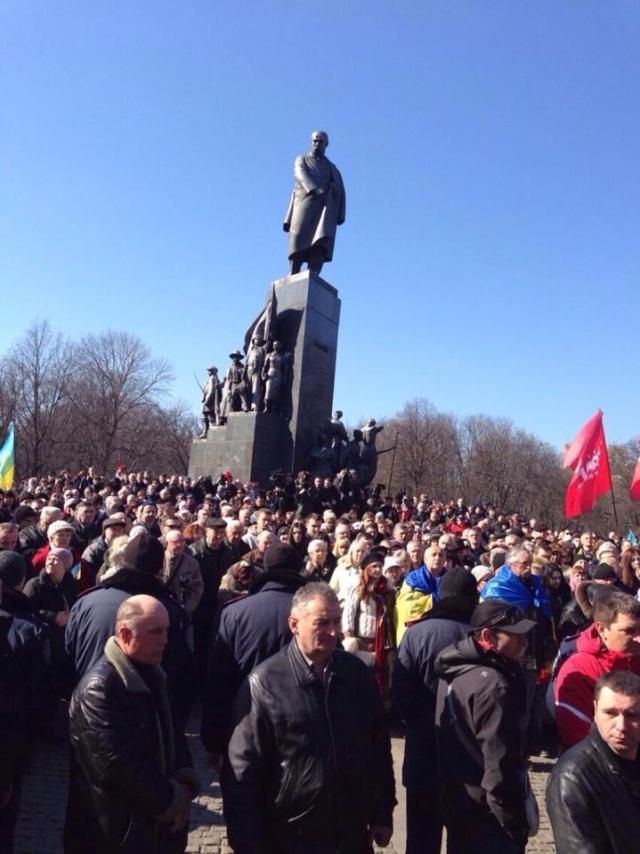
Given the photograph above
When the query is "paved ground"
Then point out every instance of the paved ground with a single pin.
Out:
(41, 818)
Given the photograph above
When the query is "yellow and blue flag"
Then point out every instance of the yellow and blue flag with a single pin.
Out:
(7, 459)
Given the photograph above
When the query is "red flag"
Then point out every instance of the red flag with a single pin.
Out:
(634, 486)
(587, 456)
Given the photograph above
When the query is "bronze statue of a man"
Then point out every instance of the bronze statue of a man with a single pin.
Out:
(316, 207)
(210, 401)
(255, 363)
(274, 373)
(234, 396)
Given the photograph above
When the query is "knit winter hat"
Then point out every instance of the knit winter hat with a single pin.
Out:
(64, 555)
(13, 569)
(144, 553)
(282, 557)
(458, 582)
(24, 512)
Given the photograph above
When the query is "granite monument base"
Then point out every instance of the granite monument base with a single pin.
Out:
(307, 320)
(251, 445)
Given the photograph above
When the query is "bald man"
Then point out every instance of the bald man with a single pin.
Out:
(132, 779)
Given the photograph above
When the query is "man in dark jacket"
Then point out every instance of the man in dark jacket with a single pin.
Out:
(25, 700)
(33, 537)
(92, 618)
(86, 527)
(309, 766)
(481, 757)
(592, 794)
(132, 779)
(251, 630)
(29, 642)
(214, 559)
(94, 554)
(415, 688)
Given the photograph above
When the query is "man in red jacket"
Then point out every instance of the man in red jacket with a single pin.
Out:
(612, 642)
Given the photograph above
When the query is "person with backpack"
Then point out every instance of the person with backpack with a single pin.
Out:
(612, 642)
(486, 800)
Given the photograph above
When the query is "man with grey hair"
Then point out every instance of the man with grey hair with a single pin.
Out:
(234, 534)
(132, 779)
(34, 537)
(309, 761)
(516, 584)
(316, 568)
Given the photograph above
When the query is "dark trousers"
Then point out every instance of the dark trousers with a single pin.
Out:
(424, 821)
(485, 837)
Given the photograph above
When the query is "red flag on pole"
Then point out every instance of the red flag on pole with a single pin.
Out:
(587, 456)
(634, 486)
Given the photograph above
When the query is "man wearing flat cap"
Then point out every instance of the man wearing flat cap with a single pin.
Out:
(214, 558)
(479, 714)
(234, 392)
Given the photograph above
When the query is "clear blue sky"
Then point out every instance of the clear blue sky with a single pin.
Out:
(491, 256)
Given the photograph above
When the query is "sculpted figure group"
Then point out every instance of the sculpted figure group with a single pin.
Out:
(258, 385)
(336, 452)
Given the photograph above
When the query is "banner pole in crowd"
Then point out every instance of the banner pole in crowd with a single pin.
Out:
(393, 463)
(613, 495)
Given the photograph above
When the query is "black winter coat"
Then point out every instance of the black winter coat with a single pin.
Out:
(489, 701)
(251, 630)
(30, 539)
(129, 756)
(213, 564)
(92, 621)
(309, 765)
(414, 686)
(29, 641)
(593, 800)
(48, 598)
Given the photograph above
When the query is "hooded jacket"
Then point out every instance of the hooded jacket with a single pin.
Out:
(574, 684)
(415, 684)
(488, 696)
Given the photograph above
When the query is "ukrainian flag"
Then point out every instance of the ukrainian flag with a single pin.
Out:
(7, 459)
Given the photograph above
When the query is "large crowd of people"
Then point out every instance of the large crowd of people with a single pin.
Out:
(303, 620)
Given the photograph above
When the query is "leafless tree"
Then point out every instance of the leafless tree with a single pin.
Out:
(117, 380)
(37, 377)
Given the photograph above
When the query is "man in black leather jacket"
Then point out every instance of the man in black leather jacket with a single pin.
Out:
(251, 630)
(92, 618)
(309, 766)
(132, 779)
(593, 794)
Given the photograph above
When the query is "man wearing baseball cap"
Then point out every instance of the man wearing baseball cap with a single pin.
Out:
(480, 714)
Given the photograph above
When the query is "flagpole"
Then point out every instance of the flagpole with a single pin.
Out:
(613, 495)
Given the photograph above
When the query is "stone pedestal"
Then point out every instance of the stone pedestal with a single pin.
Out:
(252, 445)
(308, 314)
